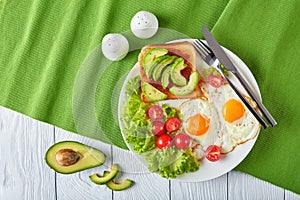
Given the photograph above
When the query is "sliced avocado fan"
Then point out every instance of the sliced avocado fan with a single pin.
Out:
(157, 72)
(150, 56)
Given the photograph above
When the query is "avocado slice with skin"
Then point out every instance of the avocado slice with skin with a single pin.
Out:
(182, 91)
(127, 183)
(176, 76)
(165, 77)
(69, 157)
(157, 72)
(152, 93)
(100, 180)
(117, 186)
(150, 56)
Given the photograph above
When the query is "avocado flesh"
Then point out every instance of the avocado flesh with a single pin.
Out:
(152, 93)
(159, 67)
(89, 157)
(182, 91)
(165, 77)
(107, 176)
(120, 186)
(150, 56)
(176, 76)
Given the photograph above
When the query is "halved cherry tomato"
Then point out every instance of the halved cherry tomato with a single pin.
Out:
(182, 141)
(163, 141)
(213, 153)
(158, 128)
(155, 113)
(215, 80)
(173, 124)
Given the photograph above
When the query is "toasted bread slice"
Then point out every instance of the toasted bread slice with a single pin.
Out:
(184, 50)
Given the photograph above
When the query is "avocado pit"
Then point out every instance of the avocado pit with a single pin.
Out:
(67, 157)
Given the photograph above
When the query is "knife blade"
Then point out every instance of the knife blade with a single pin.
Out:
(226, 62)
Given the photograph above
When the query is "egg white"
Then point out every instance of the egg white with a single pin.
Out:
(203, 107)
(232, 134)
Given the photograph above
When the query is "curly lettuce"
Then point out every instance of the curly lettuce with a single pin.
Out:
(137, 127)
(171, 162)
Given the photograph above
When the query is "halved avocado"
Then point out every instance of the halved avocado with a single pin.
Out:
(96, 178)
(152, 93)
(182, 91)
(149, 58)
(176, 76)
(69, 156)
(120, 186)
(159, 67)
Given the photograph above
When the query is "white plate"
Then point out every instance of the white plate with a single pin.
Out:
(208, 170)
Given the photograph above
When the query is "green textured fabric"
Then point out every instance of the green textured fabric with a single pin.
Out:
(44, 43)
(49, 61)
(265, 35)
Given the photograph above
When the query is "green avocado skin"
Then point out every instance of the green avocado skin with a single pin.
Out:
(107, 176)
(92, 157)
(120, 186)
(108, 180)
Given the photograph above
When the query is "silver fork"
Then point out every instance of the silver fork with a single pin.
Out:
(209, 57)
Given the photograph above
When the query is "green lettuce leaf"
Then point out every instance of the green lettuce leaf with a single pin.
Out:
(171, 162)
(137, 127)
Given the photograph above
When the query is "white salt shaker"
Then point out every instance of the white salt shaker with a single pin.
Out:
(144, 24)
(114, 46)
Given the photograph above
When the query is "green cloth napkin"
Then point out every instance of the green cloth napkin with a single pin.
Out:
(265, 35)
(51, 67)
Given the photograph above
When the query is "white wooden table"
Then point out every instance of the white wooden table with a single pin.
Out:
(25, 175)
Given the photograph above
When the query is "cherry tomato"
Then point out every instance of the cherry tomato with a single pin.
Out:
(182, 141)
(155, 112)
(213, 153)
(173, 124)
(215, 80)
(163, 141)
(158, 128)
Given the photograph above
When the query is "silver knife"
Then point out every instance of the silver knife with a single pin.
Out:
(226, 62)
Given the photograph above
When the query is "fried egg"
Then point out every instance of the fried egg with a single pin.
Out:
(200, 121)
(238, 124)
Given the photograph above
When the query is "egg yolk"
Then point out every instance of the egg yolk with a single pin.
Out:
(197, 125)
(233, 110)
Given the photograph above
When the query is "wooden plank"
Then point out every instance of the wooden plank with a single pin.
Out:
(147, 185)
(244, 186)
(291, 196)
(24, 173)
(212, 189)
(78, 185)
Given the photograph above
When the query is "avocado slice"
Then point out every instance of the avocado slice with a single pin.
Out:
(148, 61)
(176, 76)
(120, 186)
(165, 77)
(159, 67)
(96, 178)
(156, 62)
(152, 93)
(181, 91)
(69, 156)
